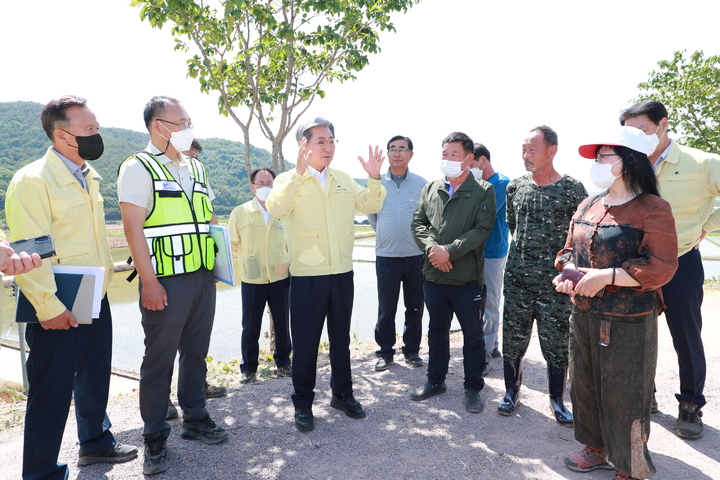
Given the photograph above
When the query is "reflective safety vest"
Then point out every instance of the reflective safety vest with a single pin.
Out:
(177, 229)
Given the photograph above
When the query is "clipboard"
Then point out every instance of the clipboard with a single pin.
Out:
(224, 269)
(74, 290)
(97, 272)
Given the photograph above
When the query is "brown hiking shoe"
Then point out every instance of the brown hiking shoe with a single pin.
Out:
(689, 423)
(589, 459)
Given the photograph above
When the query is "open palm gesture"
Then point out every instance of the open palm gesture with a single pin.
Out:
(374, 163)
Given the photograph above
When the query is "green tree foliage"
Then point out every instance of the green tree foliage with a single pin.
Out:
(690, 89)
(23, 140)
(268, 59)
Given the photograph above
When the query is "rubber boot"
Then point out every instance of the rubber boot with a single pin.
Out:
(556, 387)
(513, 380)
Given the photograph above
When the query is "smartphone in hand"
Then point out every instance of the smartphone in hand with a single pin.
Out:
(574, 276)
(42, 245)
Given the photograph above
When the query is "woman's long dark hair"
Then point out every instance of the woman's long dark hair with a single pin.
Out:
(637, 172)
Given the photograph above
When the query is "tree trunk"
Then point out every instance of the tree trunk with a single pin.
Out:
(246, 137)
(278, 159)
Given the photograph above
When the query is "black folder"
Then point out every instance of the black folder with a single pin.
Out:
(74, 290)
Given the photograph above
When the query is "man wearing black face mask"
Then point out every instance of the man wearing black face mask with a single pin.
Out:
(60, 194)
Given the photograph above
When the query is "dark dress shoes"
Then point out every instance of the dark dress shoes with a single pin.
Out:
(347, 403)
(428, 390)
(473, 401)
(304, 420)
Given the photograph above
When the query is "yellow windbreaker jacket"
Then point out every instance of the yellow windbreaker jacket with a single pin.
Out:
(319, 224)
(261, 249)
(689, 180)
(44, 197)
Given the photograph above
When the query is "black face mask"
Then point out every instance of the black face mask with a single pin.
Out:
(90, 147)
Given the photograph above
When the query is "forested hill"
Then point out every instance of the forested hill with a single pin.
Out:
(22, 140)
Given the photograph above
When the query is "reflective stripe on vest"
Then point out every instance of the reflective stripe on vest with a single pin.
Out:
(177, 228)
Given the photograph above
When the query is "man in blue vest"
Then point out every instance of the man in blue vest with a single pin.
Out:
(165, 201)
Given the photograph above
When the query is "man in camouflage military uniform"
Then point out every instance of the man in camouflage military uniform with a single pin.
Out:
(539, 208)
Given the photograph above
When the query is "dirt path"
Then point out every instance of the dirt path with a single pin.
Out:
(400, 438)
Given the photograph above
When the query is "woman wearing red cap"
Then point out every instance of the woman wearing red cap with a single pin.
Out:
(621, 248)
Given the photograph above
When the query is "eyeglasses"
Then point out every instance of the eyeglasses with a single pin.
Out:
(263, 184)
(325, 143)
(399, 150)
(600, 157)
(189, 124)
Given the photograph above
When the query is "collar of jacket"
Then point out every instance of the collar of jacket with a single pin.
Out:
(60, 171)
(467, 185)
(674, 153)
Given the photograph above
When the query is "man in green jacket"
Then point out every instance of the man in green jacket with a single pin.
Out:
(455, 215)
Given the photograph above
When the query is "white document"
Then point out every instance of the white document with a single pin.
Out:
(223, 270)
(97, 272)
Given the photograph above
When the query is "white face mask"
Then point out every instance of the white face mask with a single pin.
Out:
(182, 140)
(655, 140)
(451, 169)
(602, 176)
(263, 193)
(477, 173)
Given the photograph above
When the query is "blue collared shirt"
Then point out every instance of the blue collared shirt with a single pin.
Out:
(77, 172)
(663, 156)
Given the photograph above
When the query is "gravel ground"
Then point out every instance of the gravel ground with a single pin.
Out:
(400, 438)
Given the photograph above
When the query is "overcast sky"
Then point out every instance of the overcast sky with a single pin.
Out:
(492, 70)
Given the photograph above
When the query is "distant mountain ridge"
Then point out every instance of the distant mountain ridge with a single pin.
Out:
(22, 140)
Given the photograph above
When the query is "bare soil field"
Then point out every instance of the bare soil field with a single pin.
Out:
(400, 438)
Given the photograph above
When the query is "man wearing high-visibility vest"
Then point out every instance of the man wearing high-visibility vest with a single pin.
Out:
(166, 206)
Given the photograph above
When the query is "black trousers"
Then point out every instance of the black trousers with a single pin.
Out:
(465, 302)
(254, 298)
(62, 363)
(683, 296)
(391, 273)
(312, 299)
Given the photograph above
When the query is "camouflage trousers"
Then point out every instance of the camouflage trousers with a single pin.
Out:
(611, 386)
(551, 309)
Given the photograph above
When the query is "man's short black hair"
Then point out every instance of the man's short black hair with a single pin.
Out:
(464, 140)
(480, 150)
(550, 135)
(654, 109)
(156, 105)
(254, 173)
(195, 145)
(53, 115)
(401, 137)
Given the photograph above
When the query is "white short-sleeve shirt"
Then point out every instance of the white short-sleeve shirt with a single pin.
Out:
(134, 183)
